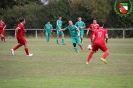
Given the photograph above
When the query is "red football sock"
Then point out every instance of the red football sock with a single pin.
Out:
(105, 55)
(16, 47)
(4, 39)
(89, 56)
(26, 50)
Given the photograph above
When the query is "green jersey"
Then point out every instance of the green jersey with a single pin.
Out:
(58, 23)
(48, 27)
(73, 30)
(80, 24)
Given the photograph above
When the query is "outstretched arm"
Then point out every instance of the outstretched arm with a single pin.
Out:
(106, 38)
(62, 29)
(87, 31)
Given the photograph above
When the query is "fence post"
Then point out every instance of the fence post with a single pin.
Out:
(123, 33)
(36, 33)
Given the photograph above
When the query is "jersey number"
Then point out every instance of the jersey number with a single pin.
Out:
(99, 34)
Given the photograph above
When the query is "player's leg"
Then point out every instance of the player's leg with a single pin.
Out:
(81, 36)
(78, 41)
(89, 57)
(57, 33)
(46, 36)
(74, 45)
(15, 48)
(94, 48)
(24, 42)
(106, 53)
(104, 48)
(49, 36)
(3, 37)
(63, 41)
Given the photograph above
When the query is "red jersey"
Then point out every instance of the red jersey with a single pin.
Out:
(2, 25)
(21, 30)
(100, 35)
(93, 27)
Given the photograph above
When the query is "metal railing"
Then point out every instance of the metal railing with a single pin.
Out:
(122, 29)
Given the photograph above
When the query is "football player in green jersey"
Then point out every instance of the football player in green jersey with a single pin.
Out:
(48, 29)
(81, 25)
(59, 33)
(74, 34)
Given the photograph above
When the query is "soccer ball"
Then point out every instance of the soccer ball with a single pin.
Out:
(89, 47)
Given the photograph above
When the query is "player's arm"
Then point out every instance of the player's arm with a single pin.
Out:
(78, 31)
(16, 30)
(88, 29)
(51, 28)
(62, 29)
(106, 36)
(83, 26)
(44, 29)
(4, 26)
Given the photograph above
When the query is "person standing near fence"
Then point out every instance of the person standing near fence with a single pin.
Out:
(2, 30)
(81, 25)
(48, 29)
(92, 27)
(99, 40)
(19, 34)
(59, 33)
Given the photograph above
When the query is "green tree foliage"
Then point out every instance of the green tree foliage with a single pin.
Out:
(98, 8)
(37, 15)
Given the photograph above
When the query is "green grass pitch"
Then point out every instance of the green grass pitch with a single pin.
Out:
(58, 66)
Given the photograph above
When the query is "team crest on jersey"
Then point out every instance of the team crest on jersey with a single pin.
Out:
(123, 7)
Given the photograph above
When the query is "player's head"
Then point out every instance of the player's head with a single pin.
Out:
(22, 20)
(60, 18)
(94, 21)
(70, 23)
(48, 22)
(101, 24)
(79, 18)
(0, 21)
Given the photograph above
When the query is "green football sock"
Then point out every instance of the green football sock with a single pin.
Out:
(76, 49)
(47, 37)
(56, 40)
(63, 41)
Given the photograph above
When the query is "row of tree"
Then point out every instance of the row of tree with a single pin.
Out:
(37, 15)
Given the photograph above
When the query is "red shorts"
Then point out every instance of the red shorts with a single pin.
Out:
(21, 40)
(101, 46)
(1, 32)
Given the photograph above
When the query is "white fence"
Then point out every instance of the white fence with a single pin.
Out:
(122, 29)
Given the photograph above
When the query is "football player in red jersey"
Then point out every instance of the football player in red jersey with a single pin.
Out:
(2, 30)
(92, 27)
(19, 34)
(99, 40)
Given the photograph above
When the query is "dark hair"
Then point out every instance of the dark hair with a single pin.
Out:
(101, 24)
(21, 19)
(94, 19)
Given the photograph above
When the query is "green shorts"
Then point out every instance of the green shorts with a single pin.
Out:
(48, 33)
(76, 40)
(82, 33)
(59, 33)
